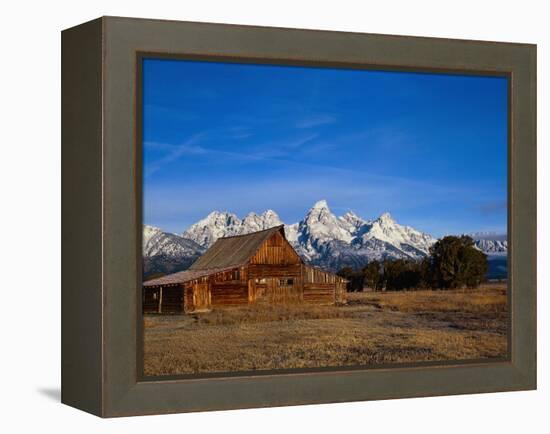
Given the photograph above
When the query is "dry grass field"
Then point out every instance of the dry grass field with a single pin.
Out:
(372, 328)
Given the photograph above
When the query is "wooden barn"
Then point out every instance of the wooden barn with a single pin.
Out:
(261, 267)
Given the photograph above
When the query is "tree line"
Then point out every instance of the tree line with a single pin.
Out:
(453, 262)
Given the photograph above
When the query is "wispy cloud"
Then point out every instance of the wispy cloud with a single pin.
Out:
(281, 153)
(280, 149)
(192, 147)
(276, 151)
(315, 121)
(240, 132)
(174, 152)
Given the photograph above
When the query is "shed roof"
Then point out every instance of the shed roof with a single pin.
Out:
(234, 251)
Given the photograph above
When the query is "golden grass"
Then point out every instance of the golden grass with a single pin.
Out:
(269, 312)
(487, 298)
(373, 328)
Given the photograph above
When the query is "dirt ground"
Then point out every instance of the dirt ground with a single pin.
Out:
(372, 328)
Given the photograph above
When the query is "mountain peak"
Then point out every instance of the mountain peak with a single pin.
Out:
(386, 218)
(253, 221)
(352, 219)
(350, 215)
(221, 217)
(320, 204)
(220, 224)
(218, 213)
(270, 213)
(149, 232)
(321, 225)
(147, 227)
(320, 212)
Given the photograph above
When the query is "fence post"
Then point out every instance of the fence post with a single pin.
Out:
(160, 300)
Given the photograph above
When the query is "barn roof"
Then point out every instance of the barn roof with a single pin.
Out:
(182, 276)
(234, 251)
(226, 253)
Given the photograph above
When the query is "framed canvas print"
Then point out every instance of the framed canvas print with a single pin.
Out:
(261, 217)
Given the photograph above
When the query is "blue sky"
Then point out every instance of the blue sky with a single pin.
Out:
(431, 149)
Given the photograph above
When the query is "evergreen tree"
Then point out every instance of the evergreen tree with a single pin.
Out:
(402, 274)
(373, 275)
(355, 278)
(456, 263)
(345, 272)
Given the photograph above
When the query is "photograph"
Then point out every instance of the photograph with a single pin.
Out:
(299, 217)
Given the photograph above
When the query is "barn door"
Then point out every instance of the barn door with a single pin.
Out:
(201, 296)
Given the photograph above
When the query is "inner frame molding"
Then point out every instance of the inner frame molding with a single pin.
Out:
(216, 58)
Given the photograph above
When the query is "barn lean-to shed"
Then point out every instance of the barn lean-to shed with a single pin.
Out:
(261, 267)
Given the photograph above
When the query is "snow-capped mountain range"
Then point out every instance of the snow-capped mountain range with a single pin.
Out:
(492, 246)
(224, 224)
(166, 253)
(321, 238)
(492, 243)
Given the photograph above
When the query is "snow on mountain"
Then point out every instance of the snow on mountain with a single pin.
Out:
(491, 243)
(215, 225)
(254, 222)
(156, 242)
(164, 252)
(492, 246)
(333, 242)
(291, 233)
(149, 232)
(386, 229)
(321, 225)
(352, 222)
(224, 224)
(321, 238)
(319, 233)
(495, 246)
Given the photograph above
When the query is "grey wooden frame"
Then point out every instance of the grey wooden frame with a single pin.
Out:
(101, 217)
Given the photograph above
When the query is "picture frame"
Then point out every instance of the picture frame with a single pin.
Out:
(101, 215)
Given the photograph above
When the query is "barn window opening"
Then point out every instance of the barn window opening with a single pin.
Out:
(154, 295)
(286, 282)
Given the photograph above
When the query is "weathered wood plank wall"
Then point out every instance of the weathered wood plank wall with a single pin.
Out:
(276, 250)
(230, 293)
(274, 274)
(321, 287)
